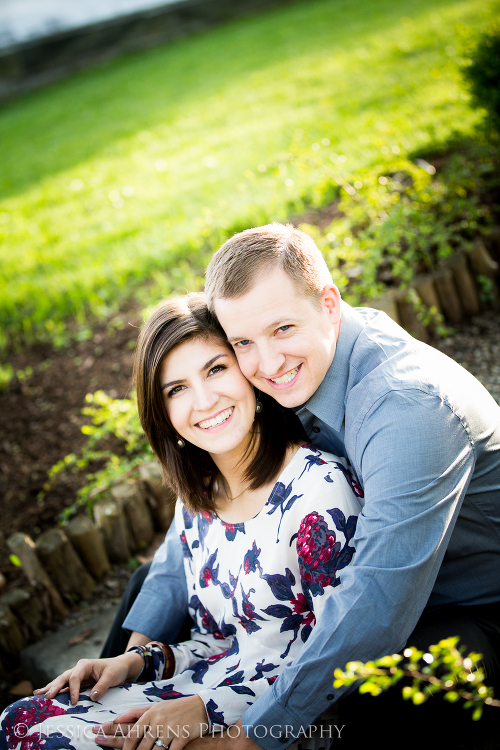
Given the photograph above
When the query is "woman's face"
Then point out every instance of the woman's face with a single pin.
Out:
(208, 400)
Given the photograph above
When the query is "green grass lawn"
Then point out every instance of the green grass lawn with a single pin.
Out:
(123, 180)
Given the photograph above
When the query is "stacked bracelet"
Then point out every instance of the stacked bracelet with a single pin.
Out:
(169, 668)
(159, 661)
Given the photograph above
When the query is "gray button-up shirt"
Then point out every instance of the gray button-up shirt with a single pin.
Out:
(422, 436)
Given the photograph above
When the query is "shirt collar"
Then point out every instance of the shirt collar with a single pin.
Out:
(328, 401)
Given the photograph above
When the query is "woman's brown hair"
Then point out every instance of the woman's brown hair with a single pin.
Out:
(191, 470)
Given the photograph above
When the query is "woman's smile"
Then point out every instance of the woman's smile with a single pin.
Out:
(217, 421)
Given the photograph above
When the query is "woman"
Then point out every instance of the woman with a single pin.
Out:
(265, 523)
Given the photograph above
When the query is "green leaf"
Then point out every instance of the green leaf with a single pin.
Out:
(477, 713)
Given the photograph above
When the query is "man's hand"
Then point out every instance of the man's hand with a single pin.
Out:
(100, 673)
(173, 722)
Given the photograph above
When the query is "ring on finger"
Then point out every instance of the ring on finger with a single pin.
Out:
(162, 744)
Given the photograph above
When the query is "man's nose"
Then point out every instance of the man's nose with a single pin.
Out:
(270, 361)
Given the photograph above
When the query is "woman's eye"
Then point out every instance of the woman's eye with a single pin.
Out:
(174, 390)
(217, 368)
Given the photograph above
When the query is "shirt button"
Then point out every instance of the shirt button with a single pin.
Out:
(330, 697)
(283, 740)
(315, 428)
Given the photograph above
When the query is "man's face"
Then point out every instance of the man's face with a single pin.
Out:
(284, 341)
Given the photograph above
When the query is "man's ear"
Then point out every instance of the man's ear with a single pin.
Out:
(330, 301)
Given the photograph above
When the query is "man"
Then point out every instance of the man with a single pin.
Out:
(423, 439)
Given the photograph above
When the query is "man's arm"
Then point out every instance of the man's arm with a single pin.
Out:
(159, 611)
(415, 469)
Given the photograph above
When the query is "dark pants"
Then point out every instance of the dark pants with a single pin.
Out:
(117, 639)
(387, 720)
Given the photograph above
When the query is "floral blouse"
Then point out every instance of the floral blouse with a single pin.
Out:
(256, 588)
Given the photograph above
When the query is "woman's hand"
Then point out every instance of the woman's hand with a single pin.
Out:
(100, 673)
(174, 722)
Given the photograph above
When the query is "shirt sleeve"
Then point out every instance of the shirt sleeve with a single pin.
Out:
(161, 607)
(416, 460)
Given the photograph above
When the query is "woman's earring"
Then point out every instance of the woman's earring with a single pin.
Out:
(258, 404)
(180, 442)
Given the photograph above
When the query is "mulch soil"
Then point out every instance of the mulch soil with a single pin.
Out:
(41, 420)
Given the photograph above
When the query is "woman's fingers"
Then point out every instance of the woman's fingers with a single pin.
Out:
(112, 729)
(108, 674)
(142, 735)
(54, 687)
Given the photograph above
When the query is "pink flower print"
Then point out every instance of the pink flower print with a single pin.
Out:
(317, 548)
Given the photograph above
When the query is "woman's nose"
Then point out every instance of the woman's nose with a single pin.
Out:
(205, 398)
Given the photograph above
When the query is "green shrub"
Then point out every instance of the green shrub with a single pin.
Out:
(404, 217)
(483, 76)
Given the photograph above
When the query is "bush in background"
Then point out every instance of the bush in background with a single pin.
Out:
(482, 74)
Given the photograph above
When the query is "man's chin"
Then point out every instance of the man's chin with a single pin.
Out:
(288, 398)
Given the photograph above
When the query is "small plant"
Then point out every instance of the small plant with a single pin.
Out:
(6, 375)
(486, 289)
(111, 418)
(445, 670)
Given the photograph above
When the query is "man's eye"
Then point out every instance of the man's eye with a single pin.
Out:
(243, 342)
(284, 328)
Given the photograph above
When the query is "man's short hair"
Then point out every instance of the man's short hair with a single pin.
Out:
(248, 256)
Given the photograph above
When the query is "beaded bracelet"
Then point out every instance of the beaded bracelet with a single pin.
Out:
(150, 669)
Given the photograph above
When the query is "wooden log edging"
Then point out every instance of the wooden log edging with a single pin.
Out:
(65, 568)
(87, 540)
(451, 291)
(64, 565)
(131, 496)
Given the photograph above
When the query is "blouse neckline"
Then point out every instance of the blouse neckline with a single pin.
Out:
(283, 478)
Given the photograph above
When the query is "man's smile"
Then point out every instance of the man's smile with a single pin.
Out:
(285, 380)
